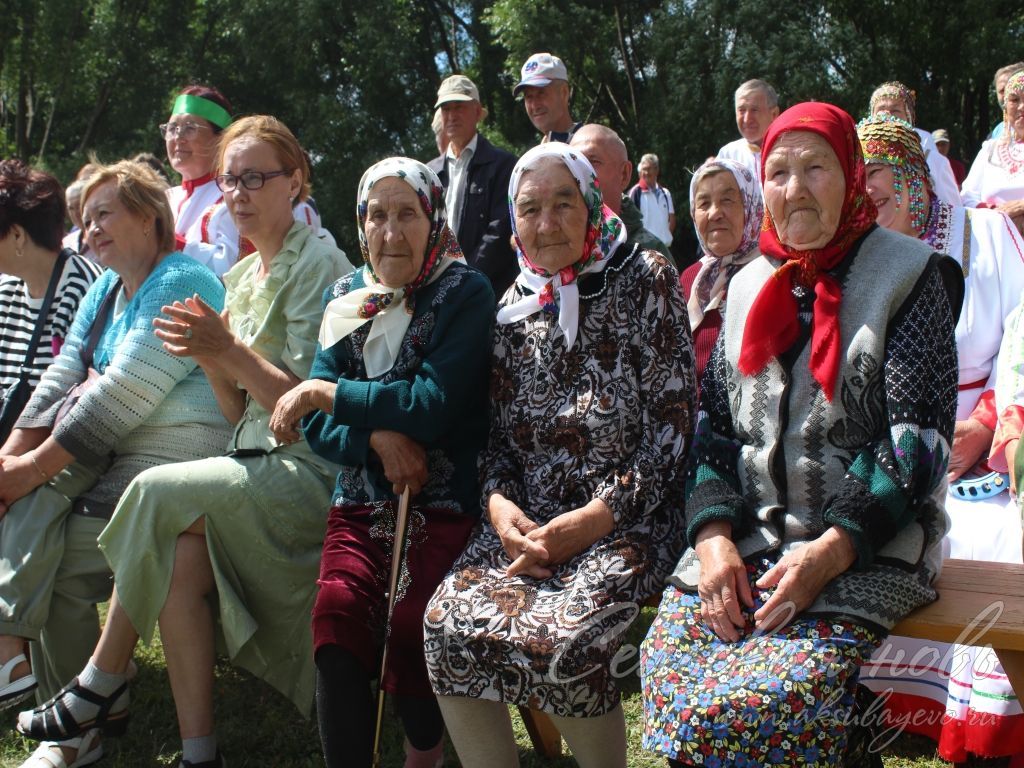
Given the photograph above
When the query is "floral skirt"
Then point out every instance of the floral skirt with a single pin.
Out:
(549, 644)
(779, 699)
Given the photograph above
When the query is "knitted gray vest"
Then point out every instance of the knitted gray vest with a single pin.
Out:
(784, 422)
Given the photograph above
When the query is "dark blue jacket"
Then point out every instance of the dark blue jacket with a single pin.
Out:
(486, 227)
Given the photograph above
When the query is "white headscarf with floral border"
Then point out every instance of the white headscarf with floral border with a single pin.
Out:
(390, 309)
(558, 293)
(715, 272)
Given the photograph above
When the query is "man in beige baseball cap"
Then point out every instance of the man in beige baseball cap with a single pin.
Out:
(544, 86)
(475, 175)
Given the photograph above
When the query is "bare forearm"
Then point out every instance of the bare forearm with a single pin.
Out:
(230, 399)
(264, 381)
(841, 550)
(51, 457)
(320, 396)
(21, 441)
(591, 523)
(714, 529)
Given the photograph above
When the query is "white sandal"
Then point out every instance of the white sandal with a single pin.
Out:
(49, 755)
(15, 691)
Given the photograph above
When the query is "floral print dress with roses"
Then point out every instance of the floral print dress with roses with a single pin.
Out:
(785, 698)
(610, 418)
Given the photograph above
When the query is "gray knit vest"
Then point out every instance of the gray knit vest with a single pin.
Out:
(779, 410)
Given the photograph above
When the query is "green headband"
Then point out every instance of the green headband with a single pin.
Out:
(200, 107)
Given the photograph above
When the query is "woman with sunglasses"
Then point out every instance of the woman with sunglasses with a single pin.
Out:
(246, 529)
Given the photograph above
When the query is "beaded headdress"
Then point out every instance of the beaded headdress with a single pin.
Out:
(888, 139)
(896, 90)
(1015, 84)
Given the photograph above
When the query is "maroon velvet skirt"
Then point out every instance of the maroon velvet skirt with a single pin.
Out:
(351, 606)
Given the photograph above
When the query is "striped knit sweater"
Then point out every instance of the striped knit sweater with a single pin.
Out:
(19, 312)
(148, 407)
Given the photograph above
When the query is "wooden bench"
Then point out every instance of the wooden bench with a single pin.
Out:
(989, 595)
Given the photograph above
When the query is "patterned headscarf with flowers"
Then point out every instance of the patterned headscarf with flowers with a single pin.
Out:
(390, 309)
(715, 272)
(558, 293)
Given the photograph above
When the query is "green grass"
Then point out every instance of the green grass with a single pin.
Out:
(259, 728)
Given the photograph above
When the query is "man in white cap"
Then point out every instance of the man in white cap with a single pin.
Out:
(475, 175)
(544, 86)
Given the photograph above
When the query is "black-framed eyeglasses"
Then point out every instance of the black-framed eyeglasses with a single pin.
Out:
(186, 130)
(252, 180)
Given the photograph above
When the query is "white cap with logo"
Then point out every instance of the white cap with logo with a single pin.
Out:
(540, 70)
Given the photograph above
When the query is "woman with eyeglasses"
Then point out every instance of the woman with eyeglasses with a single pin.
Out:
(203, 228)
(112, 404)
(246, 529)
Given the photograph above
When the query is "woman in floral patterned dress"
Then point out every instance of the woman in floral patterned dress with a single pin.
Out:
(592, 402)
(817, 478)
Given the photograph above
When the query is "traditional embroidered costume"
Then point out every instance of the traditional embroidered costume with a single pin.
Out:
(997, 173)
(958, 695)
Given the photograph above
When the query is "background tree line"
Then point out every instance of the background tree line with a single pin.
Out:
(356, 80)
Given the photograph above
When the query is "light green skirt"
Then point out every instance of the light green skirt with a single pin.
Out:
(265, 523)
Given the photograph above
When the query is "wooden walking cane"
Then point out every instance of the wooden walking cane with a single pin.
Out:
(397, 552)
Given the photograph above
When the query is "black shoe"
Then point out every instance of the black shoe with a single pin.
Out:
(217, 762)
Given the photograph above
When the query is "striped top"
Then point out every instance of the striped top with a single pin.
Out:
(19, 312)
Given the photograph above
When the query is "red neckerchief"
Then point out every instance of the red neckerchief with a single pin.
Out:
(772, 325)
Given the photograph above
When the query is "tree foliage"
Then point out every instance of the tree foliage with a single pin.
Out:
(356, 80)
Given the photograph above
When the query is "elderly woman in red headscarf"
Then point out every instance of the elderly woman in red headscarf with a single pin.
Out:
(816, 481)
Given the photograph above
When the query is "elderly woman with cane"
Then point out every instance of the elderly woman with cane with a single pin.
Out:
(398, 397)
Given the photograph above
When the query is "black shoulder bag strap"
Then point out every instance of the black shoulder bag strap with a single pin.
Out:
(44, 312)
(99, 323)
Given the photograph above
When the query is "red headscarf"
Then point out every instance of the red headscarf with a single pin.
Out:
(772, 325)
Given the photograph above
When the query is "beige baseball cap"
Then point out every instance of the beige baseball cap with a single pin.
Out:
(457, 88)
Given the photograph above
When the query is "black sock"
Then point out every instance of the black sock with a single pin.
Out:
(345, 708)
(422, 720)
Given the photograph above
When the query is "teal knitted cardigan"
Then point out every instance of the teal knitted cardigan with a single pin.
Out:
(147, 404)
